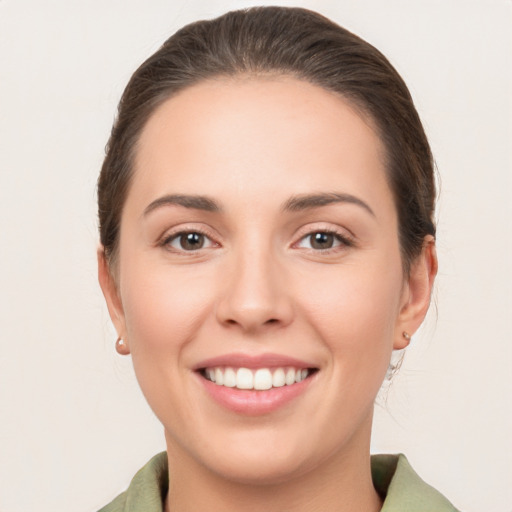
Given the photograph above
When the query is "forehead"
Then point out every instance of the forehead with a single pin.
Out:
(247, 135)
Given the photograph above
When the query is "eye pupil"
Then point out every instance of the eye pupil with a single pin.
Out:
(191, 241)
(322, 240)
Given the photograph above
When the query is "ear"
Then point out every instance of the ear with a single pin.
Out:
(111, 294)
(416, 294)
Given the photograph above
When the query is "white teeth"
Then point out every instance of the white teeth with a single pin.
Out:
(278, 378)
(244, 379)
(219, 376)
(290, 376)
(229, 378)
(260, 379)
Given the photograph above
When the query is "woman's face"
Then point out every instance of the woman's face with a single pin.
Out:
(259, 241)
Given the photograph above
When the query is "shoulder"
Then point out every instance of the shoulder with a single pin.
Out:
(396, 481)
(147, 489)
(402, 489)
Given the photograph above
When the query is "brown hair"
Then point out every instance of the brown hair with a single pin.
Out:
(286, 41)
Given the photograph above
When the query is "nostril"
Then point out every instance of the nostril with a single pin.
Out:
(270, 321)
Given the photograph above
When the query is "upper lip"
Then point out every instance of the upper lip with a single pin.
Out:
(239, 360)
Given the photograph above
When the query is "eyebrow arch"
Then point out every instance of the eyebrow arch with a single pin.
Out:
(306, 201)
(187, 201)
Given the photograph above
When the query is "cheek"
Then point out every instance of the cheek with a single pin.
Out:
(355, 313)
(163, 308)
(164, 311)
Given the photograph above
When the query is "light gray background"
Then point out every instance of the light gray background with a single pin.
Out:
(73, 425)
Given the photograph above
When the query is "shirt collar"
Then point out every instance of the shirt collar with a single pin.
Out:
(401, 489)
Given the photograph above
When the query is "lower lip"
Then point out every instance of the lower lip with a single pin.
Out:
(254, 403)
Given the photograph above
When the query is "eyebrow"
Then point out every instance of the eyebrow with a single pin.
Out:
(187, 201)
(294, 204)
(307, 201)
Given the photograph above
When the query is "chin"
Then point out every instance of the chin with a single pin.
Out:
(263, 456)
(262, 470)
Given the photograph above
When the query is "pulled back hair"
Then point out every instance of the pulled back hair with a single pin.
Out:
(278, 41)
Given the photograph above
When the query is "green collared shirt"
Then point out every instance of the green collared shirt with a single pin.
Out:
(398, 484)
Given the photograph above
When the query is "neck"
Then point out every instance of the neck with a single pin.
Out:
(341, 484)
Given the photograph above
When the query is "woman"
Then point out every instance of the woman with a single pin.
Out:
(266, 220)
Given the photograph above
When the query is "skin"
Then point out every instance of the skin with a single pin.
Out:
(258, 286)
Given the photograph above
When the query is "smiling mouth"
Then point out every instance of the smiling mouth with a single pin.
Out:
(260, 379)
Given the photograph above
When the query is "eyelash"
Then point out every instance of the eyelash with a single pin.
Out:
(344, 241)
(166, 241)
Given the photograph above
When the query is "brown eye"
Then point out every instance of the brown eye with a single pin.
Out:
(188, 241)
(321, 240)
(191, 241)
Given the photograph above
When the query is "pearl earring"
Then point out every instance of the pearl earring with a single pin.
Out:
(122, 347)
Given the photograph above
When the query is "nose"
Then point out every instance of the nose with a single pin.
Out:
(255, 294)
